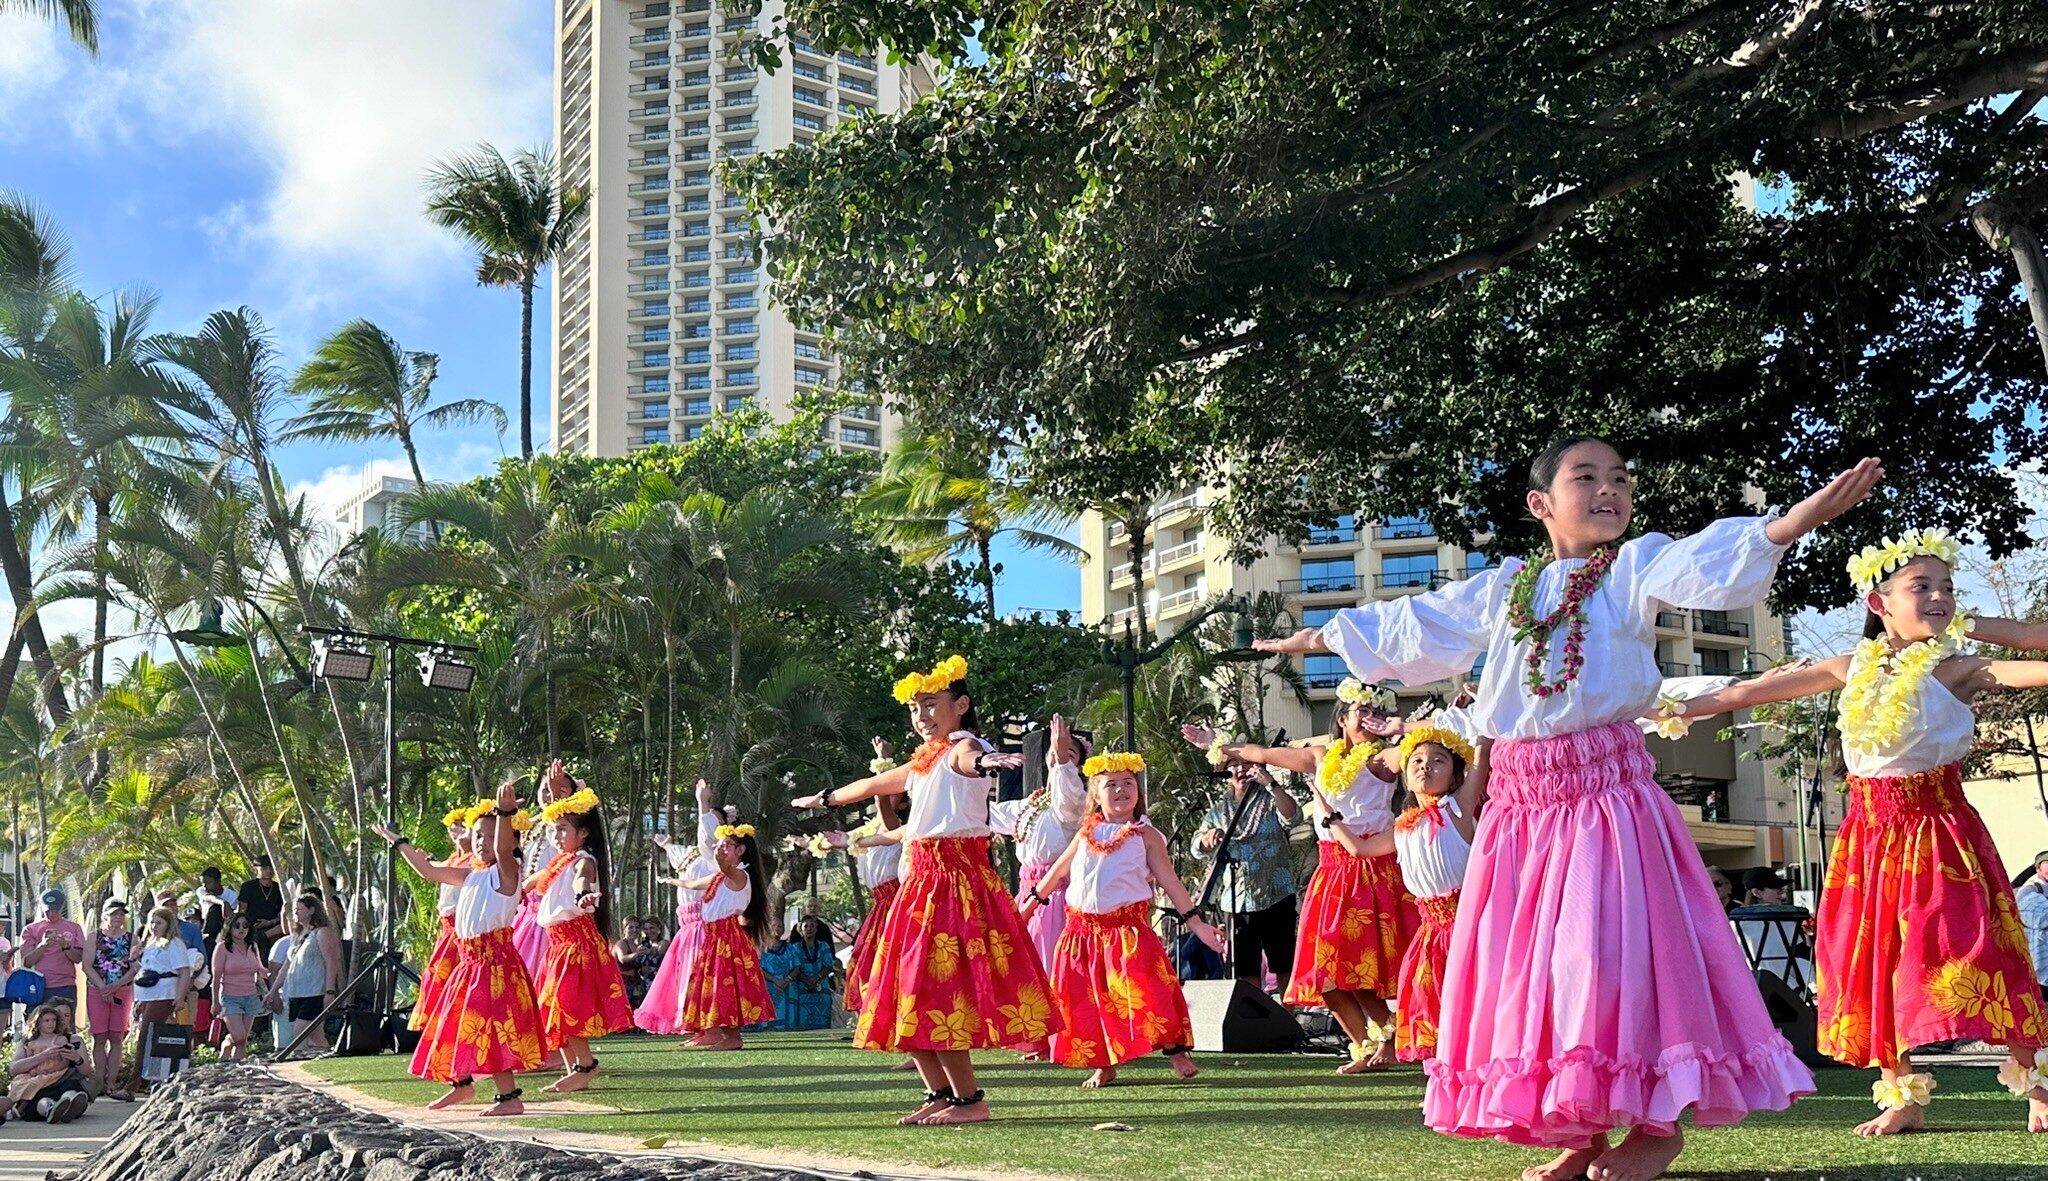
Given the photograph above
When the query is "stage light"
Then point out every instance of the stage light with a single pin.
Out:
(441, 670)
(341, 660)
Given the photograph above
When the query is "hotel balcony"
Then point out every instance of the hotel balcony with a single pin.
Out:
(651, 14)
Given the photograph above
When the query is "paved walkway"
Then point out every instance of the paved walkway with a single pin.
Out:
(29, 1149)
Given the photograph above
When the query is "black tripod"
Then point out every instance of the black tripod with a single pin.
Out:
(386, 966)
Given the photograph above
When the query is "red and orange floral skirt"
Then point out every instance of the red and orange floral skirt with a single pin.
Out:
(581, 992)
(953, 967)
(1115, 992)
(487, 1023)
(867, 939)
(1918, 938)
(1422, 978)
(434, 977)
(727, 989)
(1356, 919)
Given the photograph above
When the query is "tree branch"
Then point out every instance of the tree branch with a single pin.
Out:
(1999, 220)
(1999, 75)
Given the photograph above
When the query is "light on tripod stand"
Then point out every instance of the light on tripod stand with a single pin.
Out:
(441, 670)
(340, 659)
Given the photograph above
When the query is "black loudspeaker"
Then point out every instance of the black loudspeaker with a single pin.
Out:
(1794, 1018)
(363, 1031)
(1237, 1017)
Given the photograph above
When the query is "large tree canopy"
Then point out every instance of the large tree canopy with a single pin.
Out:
(1366, 256)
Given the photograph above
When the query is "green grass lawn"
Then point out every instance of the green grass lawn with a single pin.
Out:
(1248, 1118)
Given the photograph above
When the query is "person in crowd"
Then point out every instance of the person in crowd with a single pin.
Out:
(2033, 904)
(776, 972)
(1258, 889)
(46, 1080)
(54, 947)
(216, 902)
(239, 979)
(809, 967)
(1116, 995)
(163, 983)
(1724, 889)
(630, 950)
(1581, 875)
(1763, 886)
(312, 973)
(109, 977)
(337, 907)
(924, 974)
(262, 899)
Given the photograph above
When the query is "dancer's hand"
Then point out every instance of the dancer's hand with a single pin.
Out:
(836, 839)
(558, 778)
(1843, 493)
(1197, 735)
(1308, 639)
(1060, 747)
(1028, 907)
(384, 830)
(884, 749)
(508, 798)
(1002, 761)
(1383, 725)
(588, 903)
(703, 794)
(809, 803)
(1206, 931)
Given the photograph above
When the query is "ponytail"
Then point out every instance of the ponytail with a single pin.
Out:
(755, 917)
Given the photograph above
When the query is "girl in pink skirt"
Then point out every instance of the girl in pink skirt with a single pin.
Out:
(661, 1010)
(1593, 983)
(1043, 825)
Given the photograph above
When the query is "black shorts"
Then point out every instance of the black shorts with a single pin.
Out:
(304, 1008)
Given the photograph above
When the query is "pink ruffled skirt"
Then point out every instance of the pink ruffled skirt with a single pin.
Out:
(661, 1010)
(1593, 981)
(1048, 922)
(529, 938)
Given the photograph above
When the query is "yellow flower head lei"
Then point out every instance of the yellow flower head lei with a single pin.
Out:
(733, 831)
(455, 817)
(947, 673)
(1878, 697)
(1877, 562)
(1342, 763)
(1352, 691)
(1111, 762)
(583, 800)
(478, 811)
(1450, 740)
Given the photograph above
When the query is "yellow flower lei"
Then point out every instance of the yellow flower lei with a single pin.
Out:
(1113, 761)
(583, 800)
(1877, 562)
(1341, 764)
(456, 816)
(724, 831)
(947, 673)
(1450, 740)
(1882, 684)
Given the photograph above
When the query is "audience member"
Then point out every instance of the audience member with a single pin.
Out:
(54, 946)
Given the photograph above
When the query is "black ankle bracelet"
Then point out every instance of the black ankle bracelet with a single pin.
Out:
(465, 1081)
(966, 1100)
(1171, 1051)
(585, 1069)
(514, 1093)
(945, 1093)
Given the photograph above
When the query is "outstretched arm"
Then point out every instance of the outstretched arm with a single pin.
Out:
(1159, 861)
(893, 782)
(1824, 677)
(2010, 633)
(420, 862)
(1302, 760)
(2016, 674)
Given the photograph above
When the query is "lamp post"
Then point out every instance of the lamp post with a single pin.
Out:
(1129, 658)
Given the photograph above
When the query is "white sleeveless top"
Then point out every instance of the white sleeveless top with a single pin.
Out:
(1433, 855)
(1365, 808)
(1102, 882)
(449, 894)
(883, 863)
(558, 901)
(1043, 831)
(480, 909)
(945, 803)
(725, 901)
(1941, 732)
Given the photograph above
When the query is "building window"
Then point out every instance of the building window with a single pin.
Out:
(746, 276)
(654, 309)
(697, 279)
(697, 356)
(697, 381)
(739, 402)
(739, 328)
(740, 303)
(697, 407)
(805, 375)
(739, 377)
(805, 94)
(697, 303)
(1336, 574)
(654, 385)
(654, 358)
(1317, 616)
(654, 434)
(1344, 529)
(1476, 562)
(1398, 571)
(739, 352)
(1398, 528)
(1323, 671)
(654, 410)
(1717, 662)
(654, 258)
(654, 335)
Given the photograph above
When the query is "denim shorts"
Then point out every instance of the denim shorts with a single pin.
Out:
(242, 1006)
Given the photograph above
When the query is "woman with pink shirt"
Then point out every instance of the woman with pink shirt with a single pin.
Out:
(239, 979)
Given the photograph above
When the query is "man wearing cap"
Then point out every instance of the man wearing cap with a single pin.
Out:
(52, 946)
(1763, 886)
(2033, 899)
(262, 900)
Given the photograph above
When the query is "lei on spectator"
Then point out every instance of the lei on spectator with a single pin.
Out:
(1570, 614)
(1877, 700)
(949, 672)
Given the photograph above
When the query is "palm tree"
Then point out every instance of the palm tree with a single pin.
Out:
(519, 219)
(78, 16)
(364, 387)
(936, 500)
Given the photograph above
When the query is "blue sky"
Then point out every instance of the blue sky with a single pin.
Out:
(269, 153)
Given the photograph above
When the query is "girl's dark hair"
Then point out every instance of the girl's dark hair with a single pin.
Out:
(1873, 624)
(755, 917)
(318, 905)
(1406, 797)
(1543, 469)
(227, 933)
(968, 720)
(595, 843)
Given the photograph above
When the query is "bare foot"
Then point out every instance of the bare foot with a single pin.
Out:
(1102, 1077)
(1382, 1056)
(971, 1113)
(906, 1064)
(730, 1040)
(1570, 1163)
(1183, 1065)
(2037, 1110)
(1639, 1157)
(455, 1095)
(917, 1115)
(704, 1037)
(506, 1107)
(1898, 1121)
(572, 1081)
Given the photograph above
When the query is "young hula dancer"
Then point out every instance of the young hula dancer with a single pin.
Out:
(954, 970)
(661, 1011)
(441, 960)
(487, 1023)
(1043, 825)
(726, 988)
(1919, 935)
(1117, 996)
(528, 935)
(1432, 840)
(1593, 982)
(580, 992)
(877, 849)
(1356, 917)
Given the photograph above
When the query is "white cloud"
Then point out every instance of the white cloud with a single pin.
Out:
(343, 107)
(31, 62)
(334, 486)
